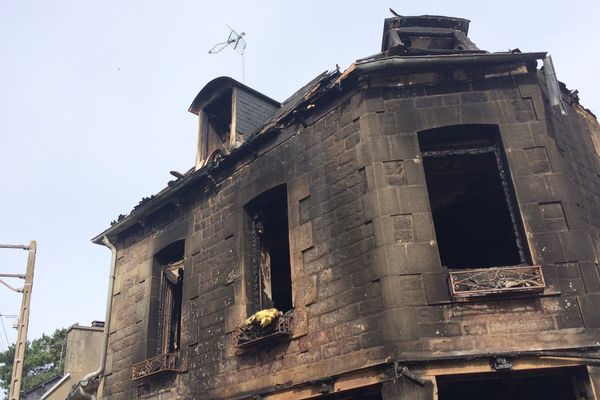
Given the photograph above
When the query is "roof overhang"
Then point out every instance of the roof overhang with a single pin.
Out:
(400, 63)
(217, 87)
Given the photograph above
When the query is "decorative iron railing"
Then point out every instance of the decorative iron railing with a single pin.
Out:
(154, 365)
(255, 335)
(486, 281)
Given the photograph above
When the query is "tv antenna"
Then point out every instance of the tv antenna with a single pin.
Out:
(237, 41)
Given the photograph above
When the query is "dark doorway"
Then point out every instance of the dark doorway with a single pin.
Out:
(557, 386)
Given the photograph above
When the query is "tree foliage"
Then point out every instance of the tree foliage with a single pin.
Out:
(44, 358)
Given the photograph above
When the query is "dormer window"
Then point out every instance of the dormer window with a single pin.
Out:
(228, 112)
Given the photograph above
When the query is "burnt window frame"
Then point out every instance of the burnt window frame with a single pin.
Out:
(166, 301)
(484, 139)
(259, 221)
(217, 125)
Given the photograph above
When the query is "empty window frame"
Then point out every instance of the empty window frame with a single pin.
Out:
(477, 223)
(270, 251)
(215, 125)
(169, 263)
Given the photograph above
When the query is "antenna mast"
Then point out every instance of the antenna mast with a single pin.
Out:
(237, 41)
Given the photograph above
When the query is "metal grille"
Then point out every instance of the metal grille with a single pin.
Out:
(481, 282)
(154, 365)
(254, 335)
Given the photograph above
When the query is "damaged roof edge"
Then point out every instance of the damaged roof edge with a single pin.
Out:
(215, 87)
(152, 205)
(451, 59)
(295, 101)
(314, 89)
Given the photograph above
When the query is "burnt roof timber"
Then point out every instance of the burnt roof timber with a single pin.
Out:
(428, 21)
(419, 30)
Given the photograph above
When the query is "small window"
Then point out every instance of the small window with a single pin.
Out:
(170, 262)
(215, 125)
(270, 251)
(218, 119)
(476, 219)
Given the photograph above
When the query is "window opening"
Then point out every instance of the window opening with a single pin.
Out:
(429, 42)
(270, 249)
(215, 125)
(218, 114)
(171, 263)
(472, 202)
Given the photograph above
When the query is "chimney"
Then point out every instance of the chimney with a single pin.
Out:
(426, 35)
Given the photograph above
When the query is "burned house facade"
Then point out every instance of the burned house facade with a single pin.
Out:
(422, 225)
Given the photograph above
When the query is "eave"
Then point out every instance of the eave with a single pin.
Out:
(401, 63)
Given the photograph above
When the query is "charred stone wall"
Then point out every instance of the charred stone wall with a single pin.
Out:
(420, 316)
(336, 300)
(368, 284)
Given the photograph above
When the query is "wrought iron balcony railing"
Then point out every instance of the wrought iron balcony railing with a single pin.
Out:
(154, 365)
(254, 335)
(487, 281)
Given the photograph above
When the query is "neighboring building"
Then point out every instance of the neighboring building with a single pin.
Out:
(36, 392)
(82, 356)
(428, 221)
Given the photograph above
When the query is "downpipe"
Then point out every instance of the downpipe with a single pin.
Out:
(83, 382)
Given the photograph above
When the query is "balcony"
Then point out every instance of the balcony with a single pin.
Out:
(155, 365)
(255, 335)
(499, 280)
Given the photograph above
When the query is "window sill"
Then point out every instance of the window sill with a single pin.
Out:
(496, 281)
(163, 363)
(255, 336)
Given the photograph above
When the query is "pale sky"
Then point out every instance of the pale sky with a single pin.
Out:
(94, 98)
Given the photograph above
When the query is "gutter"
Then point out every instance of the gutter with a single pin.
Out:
(454, 59)
(80, 387)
